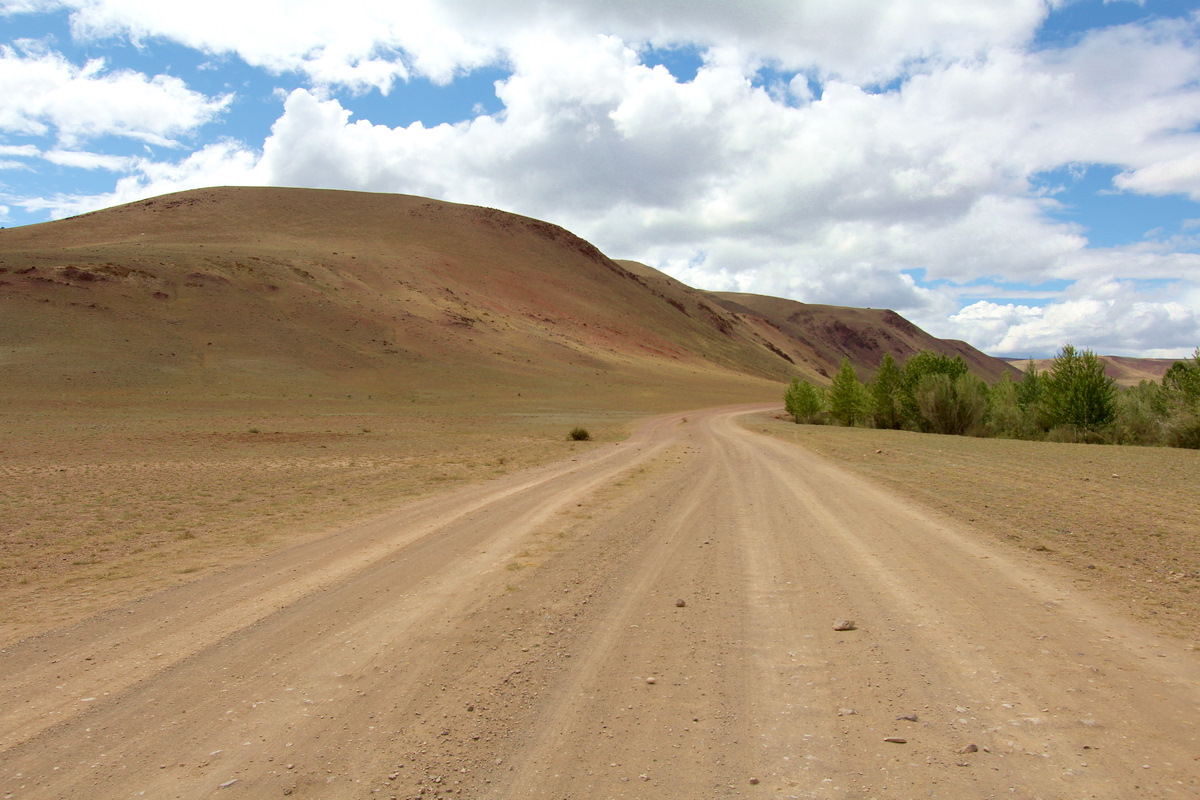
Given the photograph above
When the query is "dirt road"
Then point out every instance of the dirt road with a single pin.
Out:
(653, 619)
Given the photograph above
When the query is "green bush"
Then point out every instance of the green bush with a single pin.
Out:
(803, 401)
(1141, 415)
(916, 368)
(951, 405)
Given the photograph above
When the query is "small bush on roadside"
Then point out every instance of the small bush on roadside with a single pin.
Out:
(578, 434)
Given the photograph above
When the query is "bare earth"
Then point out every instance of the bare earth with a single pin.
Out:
(524, 637)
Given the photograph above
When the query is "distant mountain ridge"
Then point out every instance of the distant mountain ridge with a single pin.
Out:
(278, 289)
(1125, 370)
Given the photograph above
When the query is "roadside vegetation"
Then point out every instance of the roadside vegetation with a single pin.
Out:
(1072, 401)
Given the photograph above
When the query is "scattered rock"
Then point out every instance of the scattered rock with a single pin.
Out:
(651, 680)
(844, 625)
(227, 784)
(681, 603)
(846, 712)
(968, 749)
(908, 717)
(754, 781)
(896, 740)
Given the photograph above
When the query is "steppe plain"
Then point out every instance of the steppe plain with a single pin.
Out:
(231, 581)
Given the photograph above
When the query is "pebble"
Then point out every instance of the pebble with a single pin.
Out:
(896, 740)
(968, 749)
(754, 781)
(227, 784)
(680, 603)
(846, 712)
(908, 717)
(651, 680)
(844, 625)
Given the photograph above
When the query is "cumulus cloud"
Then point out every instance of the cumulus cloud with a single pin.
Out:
(375, 42)
(1109, 316)
(41, 92)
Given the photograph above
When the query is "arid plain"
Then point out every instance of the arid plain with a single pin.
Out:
(289, 509)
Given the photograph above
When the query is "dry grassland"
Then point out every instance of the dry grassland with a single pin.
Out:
(1121, 520)
(98, 507)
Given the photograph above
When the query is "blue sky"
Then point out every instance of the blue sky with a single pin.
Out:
(1017, 174)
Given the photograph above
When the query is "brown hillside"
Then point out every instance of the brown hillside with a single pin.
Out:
(821, 335)
(270, 291)
(294, 293)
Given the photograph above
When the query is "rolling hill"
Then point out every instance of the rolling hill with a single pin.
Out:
(268, 292)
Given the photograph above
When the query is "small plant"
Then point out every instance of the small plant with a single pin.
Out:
(578, 434)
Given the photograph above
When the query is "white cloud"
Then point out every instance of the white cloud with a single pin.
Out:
(42, 93)
(81, 159)
(224, 163)
(19, 150)
(375, 42)
(1108, 316)
(825, 196)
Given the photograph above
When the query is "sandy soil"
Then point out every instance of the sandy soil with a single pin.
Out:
(103, 505)
(1119, 520)
(649, 619)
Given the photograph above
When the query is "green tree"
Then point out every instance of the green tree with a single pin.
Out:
(924, 363)
(847, 397)
(1076, 393)
(884, 394)
(803, 400)
(1029, 389)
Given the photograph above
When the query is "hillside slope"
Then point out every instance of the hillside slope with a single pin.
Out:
(823, 335)
(295, 292)
(815, 338)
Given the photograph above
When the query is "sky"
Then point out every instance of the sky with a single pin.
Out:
(1019, 174)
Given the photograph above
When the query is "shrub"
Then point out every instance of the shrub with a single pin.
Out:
(803, 401)
(951, 405)
(917, 368)
(1005, 417)
(1184, 431)
(578, 434)
(1141, 415)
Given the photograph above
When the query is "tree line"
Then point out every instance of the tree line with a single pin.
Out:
(1073, 400)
